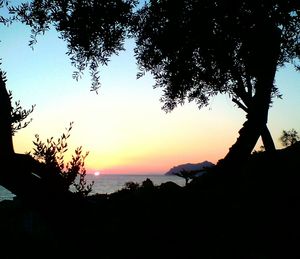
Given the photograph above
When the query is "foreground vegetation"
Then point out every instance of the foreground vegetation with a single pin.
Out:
(251, 212)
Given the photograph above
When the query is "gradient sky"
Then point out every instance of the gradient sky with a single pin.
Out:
(123, 127)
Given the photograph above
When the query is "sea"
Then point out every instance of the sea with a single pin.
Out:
(109, 183)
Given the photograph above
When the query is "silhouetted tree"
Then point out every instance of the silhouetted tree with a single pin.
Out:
(194, 49)
(46, 168)
(12, 117)
(16, 174)
(189, 175)
(56, 171)
(94, 30)
(198, 49)
(186, 175)
(289, 137)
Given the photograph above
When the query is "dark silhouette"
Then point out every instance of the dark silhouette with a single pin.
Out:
(289, 137)
(251, 215)
(17, 175)
(45, 175)
(197, 49)
(186, 175)
(93, 30)
(62, 174)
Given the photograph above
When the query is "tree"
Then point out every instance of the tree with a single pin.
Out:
(94, 30)
(289, 137)
(198, 49)
(56, 172)
(17, 174)
(186, 175)
(12, 117)
(194, 49)
(43, 172)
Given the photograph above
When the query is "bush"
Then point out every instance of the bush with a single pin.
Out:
(57, 172)
(289, 137)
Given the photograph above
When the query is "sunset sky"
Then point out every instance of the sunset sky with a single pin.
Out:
(123, 127)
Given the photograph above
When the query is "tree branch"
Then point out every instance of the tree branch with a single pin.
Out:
(240, 105)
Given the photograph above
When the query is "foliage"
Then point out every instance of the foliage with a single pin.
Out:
(94, 30)
(51, 153)
(132, 186)
(18, 114)
(77, 165)
(147, 184)
(197, 49)
(187, 175)
(289, 137)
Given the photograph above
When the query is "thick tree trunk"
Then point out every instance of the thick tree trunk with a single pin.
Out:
(255, 126)
(265, 135)
(248, 136)
(16, 173)
(20, 173)
(6, 142)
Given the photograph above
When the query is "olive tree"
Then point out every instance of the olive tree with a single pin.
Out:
(200, 48)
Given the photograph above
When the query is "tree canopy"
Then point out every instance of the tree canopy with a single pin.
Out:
(194, 49)
(94, 30)
(197, 49)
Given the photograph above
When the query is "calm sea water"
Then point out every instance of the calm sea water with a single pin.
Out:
(111, 183)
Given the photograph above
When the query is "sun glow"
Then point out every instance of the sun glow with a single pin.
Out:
(96, 173)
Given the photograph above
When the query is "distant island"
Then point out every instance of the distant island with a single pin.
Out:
(190, 167)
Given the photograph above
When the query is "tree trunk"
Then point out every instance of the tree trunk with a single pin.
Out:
(21, 174)
(267, 56)
(265, 135)
(267, 139)
(16, 175)
(6, 143)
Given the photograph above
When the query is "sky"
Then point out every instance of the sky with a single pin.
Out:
(123, 126)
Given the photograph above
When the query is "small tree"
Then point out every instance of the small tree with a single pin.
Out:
(76, 166)
(57, 172)
(187, 175)
(289, 137)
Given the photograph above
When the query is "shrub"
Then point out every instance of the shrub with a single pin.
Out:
(132, 186)
(71, 174)
(289, 137)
